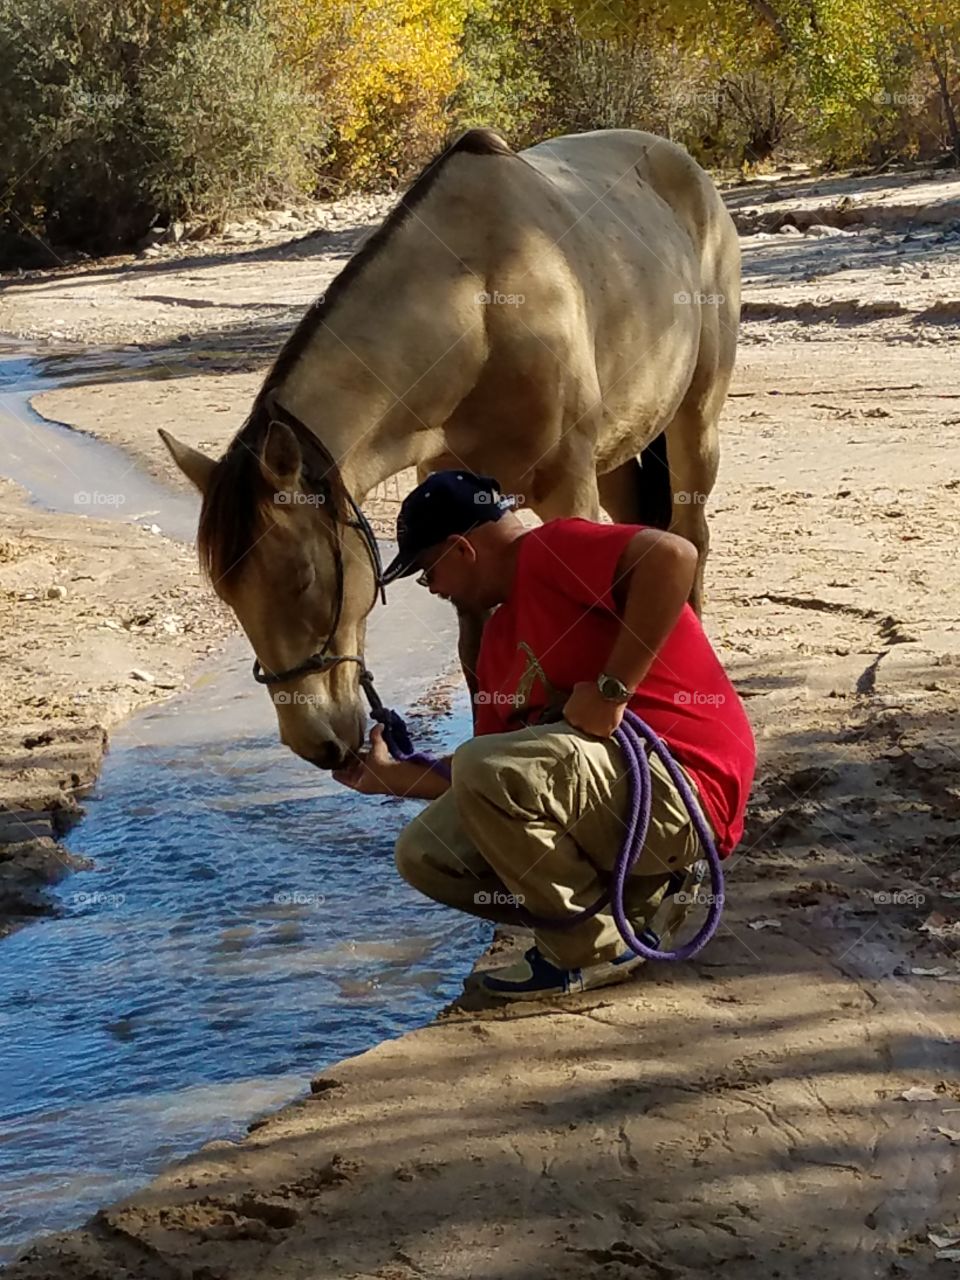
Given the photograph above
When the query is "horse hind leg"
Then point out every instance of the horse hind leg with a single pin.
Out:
(694, 453)
(668, 485)
(638, 491)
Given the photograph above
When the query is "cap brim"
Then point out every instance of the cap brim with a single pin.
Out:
(399, 567)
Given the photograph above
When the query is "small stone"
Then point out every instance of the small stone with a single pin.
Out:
(56, 593)
(138, 673)
(820, 230)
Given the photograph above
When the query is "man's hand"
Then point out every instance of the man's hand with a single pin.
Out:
(370, 771)
(586, 710)
(373, 772)
(376, 773)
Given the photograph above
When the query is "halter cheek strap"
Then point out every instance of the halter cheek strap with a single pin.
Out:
(323, 660)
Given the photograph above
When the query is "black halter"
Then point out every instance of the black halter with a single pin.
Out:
(323, 660)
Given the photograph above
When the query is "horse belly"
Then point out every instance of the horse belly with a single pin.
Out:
(641, 279)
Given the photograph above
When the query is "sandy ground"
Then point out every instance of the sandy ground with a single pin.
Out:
(787, 1105)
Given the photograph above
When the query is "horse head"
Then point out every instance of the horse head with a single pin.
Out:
(285, 546)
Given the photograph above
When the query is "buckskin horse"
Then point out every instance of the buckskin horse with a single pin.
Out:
(563, 318)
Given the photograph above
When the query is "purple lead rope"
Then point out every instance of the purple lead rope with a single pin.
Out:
(631, 736)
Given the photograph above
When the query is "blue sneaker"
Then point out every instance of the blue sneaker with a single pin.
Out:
(534, 976)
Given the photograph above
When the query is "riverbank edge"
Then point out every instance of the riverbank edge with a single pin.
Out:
(51, 764)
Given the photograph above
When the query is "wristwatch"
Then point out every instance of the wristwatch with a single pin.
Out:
(612, 689)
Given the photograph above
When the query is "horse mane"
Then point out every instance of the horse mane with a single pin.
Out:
(232, 516)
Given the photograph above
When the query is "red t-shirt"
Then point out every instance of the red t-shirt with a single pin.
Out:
(558, 627)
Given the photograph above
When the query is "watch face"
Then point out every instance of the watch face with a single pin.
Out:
(614, 689)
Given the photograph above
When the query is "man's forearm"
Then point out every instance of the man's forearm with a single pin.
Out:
(414, 781)
(659, 578)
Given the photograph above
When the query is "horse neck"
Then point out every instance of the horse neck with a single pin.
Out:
(384, 370)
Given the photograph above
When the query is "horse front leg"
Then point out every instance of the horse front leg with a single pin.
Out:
(565, 483)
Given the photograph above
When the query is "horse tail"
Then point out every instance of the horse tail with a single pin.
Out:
(654, 495)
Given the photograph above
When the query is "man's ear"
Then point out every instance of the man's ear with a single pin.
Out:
(466, 548)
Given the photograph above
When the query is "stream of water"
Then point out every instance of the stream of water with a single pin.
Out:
(243, 926)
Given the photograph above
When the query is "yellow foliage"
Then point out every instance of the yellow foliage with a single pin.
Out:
(383, 72)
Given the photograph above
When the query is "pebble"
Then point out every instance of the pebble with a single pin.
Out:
(138, 673)
(56, 593)
(820, 230)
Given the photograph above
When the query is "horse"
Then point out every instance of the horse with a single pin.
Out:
(563, 318)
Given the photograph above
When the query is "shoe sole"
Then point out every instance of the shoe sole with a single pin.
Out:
(621, 973)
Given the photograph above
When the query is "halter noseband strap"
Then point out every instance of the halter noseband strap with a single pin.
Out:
(323, 660)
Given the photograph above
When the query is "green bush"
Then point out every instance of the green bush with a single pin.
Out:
(125, 113)
(225, 126)
(506, 78)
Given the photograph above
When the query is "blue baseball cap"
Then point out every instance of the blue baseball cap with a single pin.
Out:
(447, 502)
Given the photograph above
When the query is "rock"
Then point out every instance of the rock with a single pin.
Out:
(820, 231)
(152, 252)
(788, 229)
(138, 673)
(56, 593)
(174, 233)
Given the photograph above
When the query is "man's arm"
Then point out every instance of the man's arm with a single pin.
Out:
(651, 585)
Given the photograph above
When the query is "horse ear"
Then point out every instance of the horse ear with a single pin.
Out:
(196, 466)
(281, 459)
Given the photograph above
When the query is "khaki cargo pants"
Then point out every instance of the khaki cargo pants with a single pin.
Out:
(537, 817)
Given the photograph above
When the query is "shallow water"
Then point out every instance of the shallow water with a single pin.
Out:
(66, 470)
(225, 947)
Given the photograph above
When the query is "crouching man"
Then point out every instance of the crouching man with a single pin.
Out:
(589, 619)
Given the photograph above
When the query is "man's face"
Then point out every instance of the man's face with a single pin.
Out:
(449, 571)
